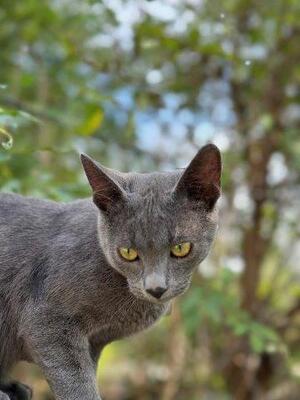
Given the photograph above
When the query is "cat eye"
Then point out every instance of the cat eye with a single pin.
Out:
(128, 253)
(181, 249)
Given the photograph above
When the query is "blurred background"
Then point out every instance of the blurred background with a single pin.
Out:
(142, 85)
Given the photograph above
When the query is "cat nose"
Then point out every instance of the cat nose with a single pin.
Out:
(157, 292)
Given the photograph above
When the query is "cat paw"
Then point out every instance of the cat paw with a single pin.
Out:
(15, 391)
(4, 396)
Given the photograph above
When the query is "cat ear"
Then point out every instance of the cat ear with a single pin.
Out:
(201, 180)
(106, 192)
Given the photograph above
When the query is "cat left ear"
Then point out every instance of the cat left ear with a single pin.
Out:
(201, 180)
(106, 192)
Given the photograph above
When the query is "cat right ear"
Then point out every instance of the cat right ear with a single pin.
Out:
(106, 192)
(201, 180)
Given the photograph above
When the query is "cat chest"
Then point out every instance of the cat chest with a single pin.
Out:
(130, 320)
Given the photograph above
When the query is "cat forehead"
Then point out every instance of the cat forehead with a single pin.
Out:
(150, 197)
(152, 212)
(151, 216)
(153, 221)
(148, 184)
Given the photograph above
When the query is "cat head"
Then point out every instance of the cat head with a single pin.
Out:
(156, 228)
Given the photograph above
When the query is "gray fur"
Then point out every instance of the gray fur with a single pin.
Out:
(64, 290)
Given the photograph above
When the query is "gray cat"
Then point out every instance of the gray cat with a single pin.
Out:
(75, 277)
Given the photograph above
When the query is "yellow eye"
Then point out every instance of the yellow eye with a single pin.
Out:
(181, 249)
(128, 253)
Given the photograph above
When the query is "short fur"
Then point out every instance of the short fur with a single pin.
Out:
(65, 292)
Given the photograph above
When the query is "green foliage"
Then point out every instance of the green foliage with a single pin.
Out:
(215, 303)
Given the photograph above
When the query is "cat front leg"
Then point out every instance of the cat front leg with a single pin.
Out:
(15, 391)
(66, 362)
(96, 347)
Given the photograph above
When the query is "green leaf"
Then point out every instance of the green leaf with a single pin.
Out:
(8, 143)
(256, 343)
(93, 122)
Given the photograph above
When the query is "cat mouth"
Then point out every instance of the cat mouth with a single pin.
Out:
(141, 295)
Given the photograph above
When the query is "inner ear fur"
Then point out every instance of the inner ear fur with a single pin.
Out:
(106, 192)
(201, 180)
